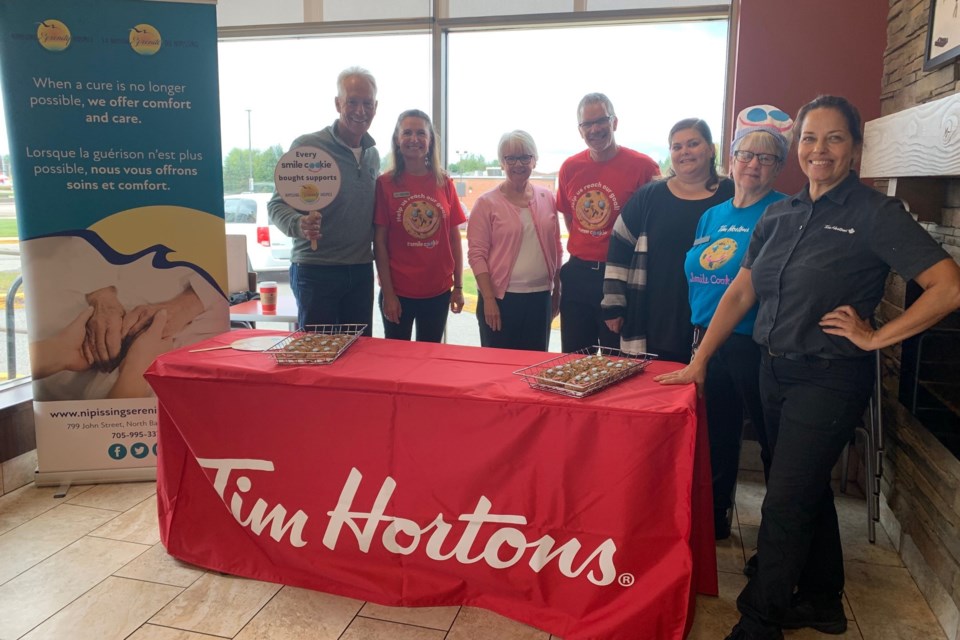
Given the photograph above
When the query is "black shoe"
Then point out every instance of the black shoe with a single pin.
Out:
(721, 524)
(824, 615)
(739, 633)
(750, 569)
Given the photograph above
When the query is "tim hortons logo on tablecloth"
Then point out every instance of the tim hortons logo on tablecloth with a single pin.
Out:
(403, 536)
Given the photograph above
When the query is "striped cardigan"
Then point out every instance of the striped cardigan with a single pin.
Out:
(625, 292)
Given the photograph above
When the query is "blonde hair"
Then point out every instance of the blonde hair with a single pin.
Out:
(517, 138)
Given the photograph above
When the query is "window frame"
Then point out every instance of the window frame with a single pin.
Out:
(439, 27)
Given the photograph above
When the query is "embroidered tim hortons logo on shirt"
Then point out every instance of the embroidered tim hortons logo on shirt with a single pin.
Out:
(830, 227)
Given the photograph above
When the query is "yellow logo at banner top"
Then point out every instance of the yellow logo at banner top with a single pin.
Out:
(309, 193)
(53, 35)
(145, 39)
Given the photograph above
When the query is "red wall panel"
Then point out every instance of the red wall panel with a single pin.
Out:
(788, 52)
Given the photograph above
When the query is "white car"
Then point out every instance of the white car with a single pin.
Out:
(267, 247)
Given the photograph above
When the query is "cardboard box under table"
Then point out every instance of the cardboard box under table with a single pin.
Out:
(416, 474)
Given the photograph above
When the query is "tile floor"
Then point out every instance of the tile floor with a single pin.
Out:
(90, 566)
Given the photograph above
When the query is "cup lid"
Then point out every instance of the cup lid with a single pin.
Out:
(268, 283)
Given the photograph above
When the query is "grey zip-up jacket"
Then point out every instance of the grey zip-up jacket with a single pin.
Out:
(347, 224)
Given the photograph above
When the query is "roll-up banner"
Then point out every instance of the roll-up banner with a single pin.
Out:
(112, 114)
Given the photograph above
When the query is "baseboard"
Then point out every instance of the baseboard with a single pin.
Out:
(95, 476)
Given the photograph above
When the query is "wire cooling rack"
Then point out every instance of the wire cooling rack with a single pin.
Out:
(584, 372)
(316, 344)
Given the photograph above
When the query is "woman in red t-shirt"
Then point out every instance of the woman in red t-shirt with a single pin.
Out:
(416, 238)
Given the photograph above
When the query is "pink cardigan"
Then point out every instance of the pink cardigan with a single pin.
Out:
(494, 235)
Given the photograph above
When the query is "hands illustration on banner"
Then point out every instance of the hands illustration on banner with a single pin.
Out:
(143, 350)
(102, 343)
(105, 337)
(64, 351)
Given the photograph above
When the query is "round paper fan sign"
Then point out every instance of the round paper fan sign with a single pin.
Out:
(256, 343)
(307, 178)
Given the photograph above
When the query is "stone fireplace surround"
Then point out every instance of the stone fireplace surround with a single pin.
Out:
(915, 155)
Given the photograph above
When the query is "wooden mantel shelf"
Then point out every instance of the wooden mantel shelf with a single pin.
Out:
(922, 141)
(918, 151)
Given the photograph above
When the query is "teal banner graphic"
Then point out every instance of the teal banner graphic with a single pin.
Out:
(112, 115)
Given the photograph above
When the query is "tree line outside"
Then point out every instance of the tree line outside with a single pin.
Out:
(237, 165)
(236, 168)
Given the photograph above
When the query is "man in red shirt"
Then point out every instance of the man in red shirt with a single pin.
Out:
(593, 186)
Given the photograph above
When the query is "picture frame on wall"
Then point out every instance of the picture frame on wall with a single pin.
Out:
(943, 34)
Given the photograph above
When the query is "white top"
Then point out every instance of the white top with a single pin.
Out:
(530, 273)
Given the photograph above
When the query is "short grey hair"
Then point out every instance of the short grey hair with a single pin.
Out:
(595, 98)
(760, 142)
(517, 138)
(351, 72)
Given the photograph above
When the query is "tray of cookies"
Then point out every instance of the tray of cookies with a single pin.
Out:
(584, 372)
(316, 343)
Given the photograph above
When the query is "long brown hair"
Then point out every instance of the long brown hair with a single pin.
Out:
(398, 162)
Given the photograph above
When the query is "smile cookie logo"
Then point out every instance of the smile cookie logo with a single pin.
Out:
(718, 254)
(593, 210)
(309, 193)
(421, 219)
(145, 39)
(53, 35)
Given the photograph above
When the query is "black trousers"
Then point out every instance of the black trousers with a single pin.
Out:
(430, 315)
(732, 385)
(811, 409)
(524, 321)
(334, 294)
(581, 320)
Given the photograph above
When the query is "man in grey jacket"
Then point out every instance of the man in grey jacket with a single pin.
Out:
(334, 283)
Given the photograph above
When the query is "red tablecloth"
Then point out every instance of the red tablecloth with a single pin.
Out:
(415, 474)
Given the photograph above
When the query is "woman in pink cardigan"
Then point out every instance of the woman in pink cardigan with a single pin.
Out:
(514, 252)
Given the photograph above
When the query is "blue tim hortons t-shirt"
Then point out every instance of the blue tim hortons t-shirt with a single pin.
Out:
(714, 259)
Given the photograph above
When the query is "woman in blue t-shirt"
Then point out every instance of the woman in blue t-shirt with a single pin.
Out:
(759, 147)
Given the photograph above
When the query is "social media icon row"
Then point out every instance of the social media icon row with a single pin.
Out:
(138, 450)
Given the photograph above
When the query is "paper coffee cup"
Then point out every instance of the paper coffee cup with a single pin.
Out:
(268, 296)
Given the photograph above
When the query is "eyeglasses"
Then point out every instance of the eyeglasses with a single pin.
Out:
(512, 160)
(604, 121)
(766, 159)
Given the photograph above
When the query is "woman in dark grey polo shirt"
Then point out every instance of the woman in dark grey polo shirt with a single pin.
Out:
(816, 264)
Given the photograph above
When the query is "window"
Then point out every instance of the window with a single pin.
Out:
(533, 79)
(272, 91)
(14, 351)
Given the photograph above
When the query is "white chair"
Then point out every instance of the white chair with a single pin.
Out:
(239, 276)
